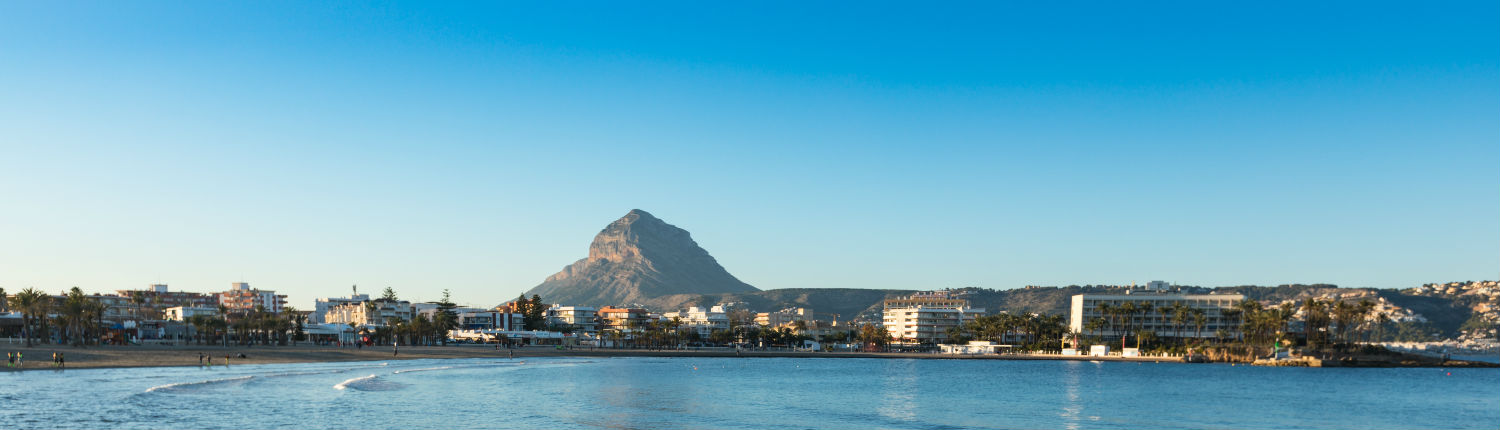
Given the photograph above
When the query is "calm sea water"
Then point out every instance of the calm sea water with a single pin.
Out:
(715, 393)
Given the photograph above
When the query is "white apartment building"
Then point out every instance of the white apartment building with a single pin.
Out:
(360, 313)
(1085, 307)
(182, 313)
(784, 317)
(704, 321)
(926, 317)
(584, 318)
(924, 324)
(470, 318)
(321, 306)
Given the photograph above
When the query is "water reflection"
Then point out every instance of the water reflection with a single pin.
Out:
(898, 390)
(1071, 406)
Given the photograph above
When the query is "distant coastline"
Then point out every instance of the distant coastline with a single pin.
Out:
(38, 358)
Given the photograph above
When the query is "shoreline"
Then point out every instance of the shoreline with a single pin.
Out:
(102, 357)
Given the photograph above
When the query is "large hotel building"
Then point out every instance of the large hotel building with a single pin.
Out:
(924, 318)
(1085, 307)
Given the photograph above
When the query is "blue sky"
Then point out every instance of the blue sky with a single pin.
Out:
(479, 147)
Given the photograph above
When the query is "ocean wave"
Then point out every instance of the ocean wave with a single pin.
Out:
(286, 374)
(346, 383)
(428, 369)
(369, 383)
(189, 385)
(460, 367)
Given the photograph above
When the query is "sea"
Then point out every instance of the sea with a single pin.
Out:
(749, 393)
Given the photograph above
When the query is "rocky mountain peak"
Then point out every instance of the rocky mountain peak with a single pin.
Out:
(636, 258)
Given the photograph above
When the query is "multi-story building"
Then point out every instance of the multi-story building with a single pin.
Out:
(375, 313)
(944, 299)
(1153, 311)
(704, 321)
(183, 313)
(783, 317)
(321, 306)
(480, 319)
(623, 320)
(156, 298)
(118, 308)
(474, 318)
(924, 318)
(242, 298)
(582, 318)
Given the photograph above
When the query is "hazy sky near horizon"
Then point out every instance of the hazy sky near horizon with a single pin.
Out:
(305, 147)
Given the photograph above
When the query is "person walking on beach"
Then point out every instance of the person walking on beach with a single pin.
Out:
(61, 360)
(395, 349)
(10, 359)
(200, 359)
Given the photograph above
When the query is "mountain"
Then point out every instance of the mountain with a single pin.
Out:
(635, 259)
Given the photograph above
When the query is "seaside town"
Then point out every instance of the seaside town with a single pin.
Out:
(1152, 321)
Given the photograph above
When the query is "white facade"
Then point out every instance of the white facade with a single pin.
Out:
(182, 313)
(784, 317)
(974, 347)
(1085, 307)
(924, 324)
(320, 307)
(359, 313)
(584, 318)
(704, 321)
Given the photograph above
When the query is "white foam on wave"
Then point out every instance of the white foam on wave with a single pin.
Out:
(278, 375)
(345, 384)
(181, 385)
(464, 366)
(428, 369)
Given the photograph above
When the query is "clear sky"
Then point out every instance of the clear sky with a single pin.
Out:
(307, 147)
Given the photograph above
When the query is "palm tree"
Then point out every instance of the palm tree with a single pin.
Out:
(297, 319)
(1179, 319)
(1145, 309)
(1128, 311)
(1225, 316)
(224, 315)
(74, 310)
(1315, 321)
(31, 303)
(1096, 324)
(1247, 308)
(96, 309)
(4, 304)
(444, 321)
(1199, 321)
(1365, 306)
(1108, 311)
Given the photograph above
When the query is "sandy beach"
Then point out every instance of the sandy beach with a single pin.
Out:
(40, 357)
